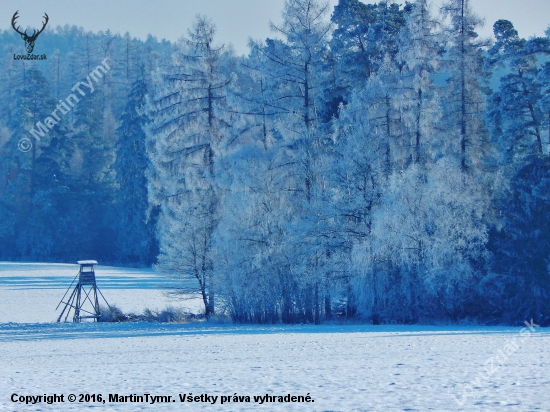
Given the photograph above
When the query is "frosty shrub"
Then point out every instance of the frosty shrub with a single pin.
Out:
(168, 315)
(111, 314)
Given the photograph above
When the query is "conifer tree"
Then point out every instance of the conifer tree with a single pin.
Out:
(517, 109)
(135, 235)
(186, 138)
(464, 100)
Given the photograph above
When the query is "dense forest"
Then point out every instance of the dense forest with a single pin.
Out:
(374, 162)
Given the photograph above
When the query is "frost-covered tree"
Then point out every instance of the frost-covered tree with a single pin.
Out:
(419, 59)
(185, 139)
(294, 64)
(389, 123)
(255, 110)
(294, 73)
(428, 239)
(395, 118)
(251, 238)
(369, 146)
(464, 108)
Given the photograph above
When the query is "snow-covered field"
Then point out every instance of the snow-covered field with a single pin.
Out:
(30, 292)
(342, 368)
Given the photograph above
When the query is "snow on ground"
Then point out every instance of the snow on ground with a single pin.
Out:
(343, 368)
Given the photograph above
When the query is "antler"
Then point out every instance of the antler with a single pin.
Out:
(35, 33)
(15, 16)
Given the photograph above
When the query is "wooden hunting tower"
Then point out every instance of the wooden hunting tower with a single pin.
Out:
(83, 300)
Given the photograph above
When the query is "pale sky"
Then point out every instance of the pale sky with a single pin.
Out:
(237, 20)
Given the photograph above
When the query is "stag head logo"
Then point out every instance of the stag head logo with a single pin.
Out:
(29, 40)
